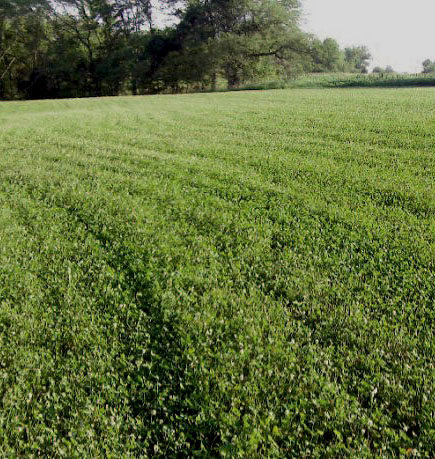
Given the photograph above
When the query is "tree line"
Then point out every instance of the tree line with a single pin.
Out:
(79, 48)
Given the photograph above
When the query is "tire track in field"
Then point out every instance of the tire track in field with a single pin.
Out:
(359, 187)
(150, 353)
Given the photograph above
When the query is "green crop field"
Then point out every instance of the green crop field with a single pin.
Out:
(244, 274)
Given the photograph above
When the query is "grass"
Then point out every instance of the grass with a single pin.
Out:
(218, 275)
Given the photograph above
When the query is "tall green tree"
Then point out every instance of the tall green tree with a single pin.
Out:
(234, 36)
(22, 40)
(326, 56)
(69, 48)
(357, 59)
(428, 66)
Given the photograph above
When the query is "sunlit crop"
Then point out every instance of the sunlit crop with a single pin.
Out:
(218, 275)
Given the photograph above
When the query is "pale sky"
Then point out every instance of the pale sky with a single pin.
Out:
(400, 33)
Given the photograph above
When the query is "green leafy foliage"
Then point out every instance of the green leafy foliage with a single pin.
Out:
(428, 66)
(84, 48)
(218, 275)
(350, 80)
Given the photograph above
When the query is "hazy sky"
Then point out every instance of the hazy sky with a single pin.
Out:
(400, 33)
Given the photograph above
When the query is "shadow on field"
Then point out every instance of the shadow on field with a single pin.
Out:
(147, 379)
(163, 395)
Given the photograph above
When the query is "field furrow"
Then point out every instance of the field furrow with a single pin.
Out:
(238, 275)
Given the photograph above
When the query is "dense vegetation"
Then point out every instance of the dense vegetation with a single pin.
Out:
(237, 275)
(343, 80)
(75, 48)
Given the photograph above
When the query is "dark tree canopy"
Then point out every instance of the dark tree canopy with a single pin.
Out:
(76, 48)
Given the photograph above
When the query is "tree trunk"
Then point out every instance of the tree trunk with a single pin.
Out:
(232, 76)
(213, 81)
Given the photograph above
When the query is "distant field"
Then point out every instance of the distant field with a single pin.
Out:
(244, 274)
(346, 80)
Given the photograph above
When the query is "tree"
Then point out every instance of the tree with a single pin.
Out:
(97, 30)
(233, 36)
(69, 48)
(357, 59)
(326, 56)
(330, 54)
(387, 69)
(22, 34)
(428, 66)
